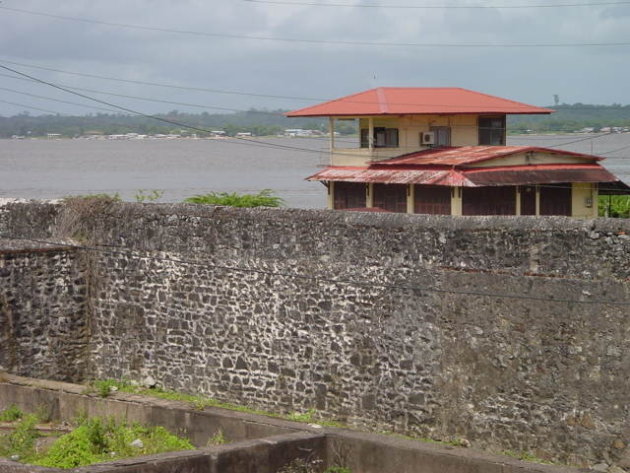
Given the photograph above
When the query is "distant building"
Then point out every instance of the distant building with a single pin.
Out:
(442, 151)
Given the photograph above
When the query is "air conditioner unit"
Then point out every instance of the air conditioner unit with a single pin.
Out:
(427, 138)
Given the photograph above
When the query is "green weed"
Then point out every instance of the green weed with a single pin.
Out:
(21, 441)
(614, 206)
(217, 439)
(337, 469)
(525, 456)
(97, 440)
(264, 198)
(11, 414)
(148, 195)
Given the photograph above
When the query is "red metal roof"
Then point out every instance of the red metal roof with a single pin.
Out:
(457, 156)
(417, 101)
(449, 167)
(480, 177)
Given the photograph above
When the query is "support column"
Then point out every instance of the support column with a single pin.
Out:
(369, 195)
(537, 201)
(518, 200)
(331, 195)
(411, 197)
(331, 131)
(456, 201)
(371, 134)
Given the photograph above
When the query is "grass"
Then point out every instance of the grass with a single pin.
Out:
(20, 443)
(93, 440)
(105, 387)
(311, 416)
(264, 198)
(217, 439)
(11, 414)
(525, 456)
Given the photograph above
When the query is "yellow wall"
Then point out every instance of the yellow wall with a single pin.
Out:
(463, 133)
(583, 193)
(522, 159)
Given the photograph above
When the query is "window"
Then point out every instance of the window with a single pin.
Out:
(442, 135)
(492, 131)
(349, 195)
(392, 197)
(383, 137)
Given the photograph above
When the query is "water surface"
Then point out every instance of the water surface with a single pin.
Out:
(44, 169)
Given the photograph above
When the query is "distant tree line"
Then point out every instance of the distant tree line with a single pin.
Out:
(257, 122)
(263, 122)
(572, 118)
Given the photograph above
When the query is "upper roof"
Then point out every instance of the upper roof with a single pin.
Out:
(462, 155)
(417, 101)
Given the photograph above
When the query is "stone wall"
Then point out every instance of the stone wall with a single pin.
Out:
(43, 318)
(512, 333)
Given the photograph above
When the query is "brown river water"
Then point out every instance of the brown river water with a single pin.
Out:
(48, 169)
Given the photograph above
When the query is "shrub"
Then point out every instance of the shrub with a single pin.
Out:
(97, 440)
(264, 198)
(11, 414)
(617, 206)
(21, 441)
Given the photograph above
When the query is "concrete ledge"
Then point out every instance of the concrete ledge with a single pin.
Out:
(261, 444)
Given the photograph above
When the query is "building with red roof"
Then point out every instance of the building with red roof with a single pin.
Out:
(442, 151)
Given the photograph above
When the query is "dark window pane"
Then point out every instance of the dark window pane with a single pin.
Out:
(555, 199)
(492, 131)
(392, 197)
(528, 200)
(500, 200)
(434, 200)
(364, 138)
(349, 195)
(442, 135)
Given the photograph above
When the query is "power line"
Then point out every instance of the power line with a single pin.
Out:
(239, 140)
(347, 282)
(76, 104)
(211, 90)
(203, 130)
(467, 45)
(29, 106)
(135, 97)
(170, 86)
(435, 7)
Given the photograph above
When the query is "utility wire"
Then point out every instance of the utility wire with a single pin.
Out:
(211, 90)
(346, 282)
(29, 106)
(468, 45)
(237, 140)
(203, 130)
(76, 104)
(135, 97)
(436, 7)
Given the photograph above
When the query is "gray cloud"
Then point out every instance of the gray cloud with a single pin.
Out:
(584, 74)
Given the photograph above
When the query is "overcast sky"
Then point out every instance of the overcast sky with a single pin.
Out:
(318, 70)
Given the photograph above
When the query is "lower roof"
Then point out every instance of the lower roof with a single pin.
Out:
(478, 177)
(451, 167)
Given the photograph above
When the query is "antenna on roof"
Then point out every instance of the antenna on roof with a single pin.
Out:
(374, 82)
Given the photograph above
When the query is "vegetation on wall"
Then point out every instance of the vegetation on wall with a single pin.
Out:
(264, 198)
(93, 440)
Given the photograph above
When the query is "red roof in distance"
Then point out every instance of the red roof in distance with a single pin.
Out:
(417, 101)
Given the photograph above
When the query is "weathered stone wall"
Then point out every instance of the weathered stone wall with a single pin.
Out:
(43, 317)
(510, 332)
